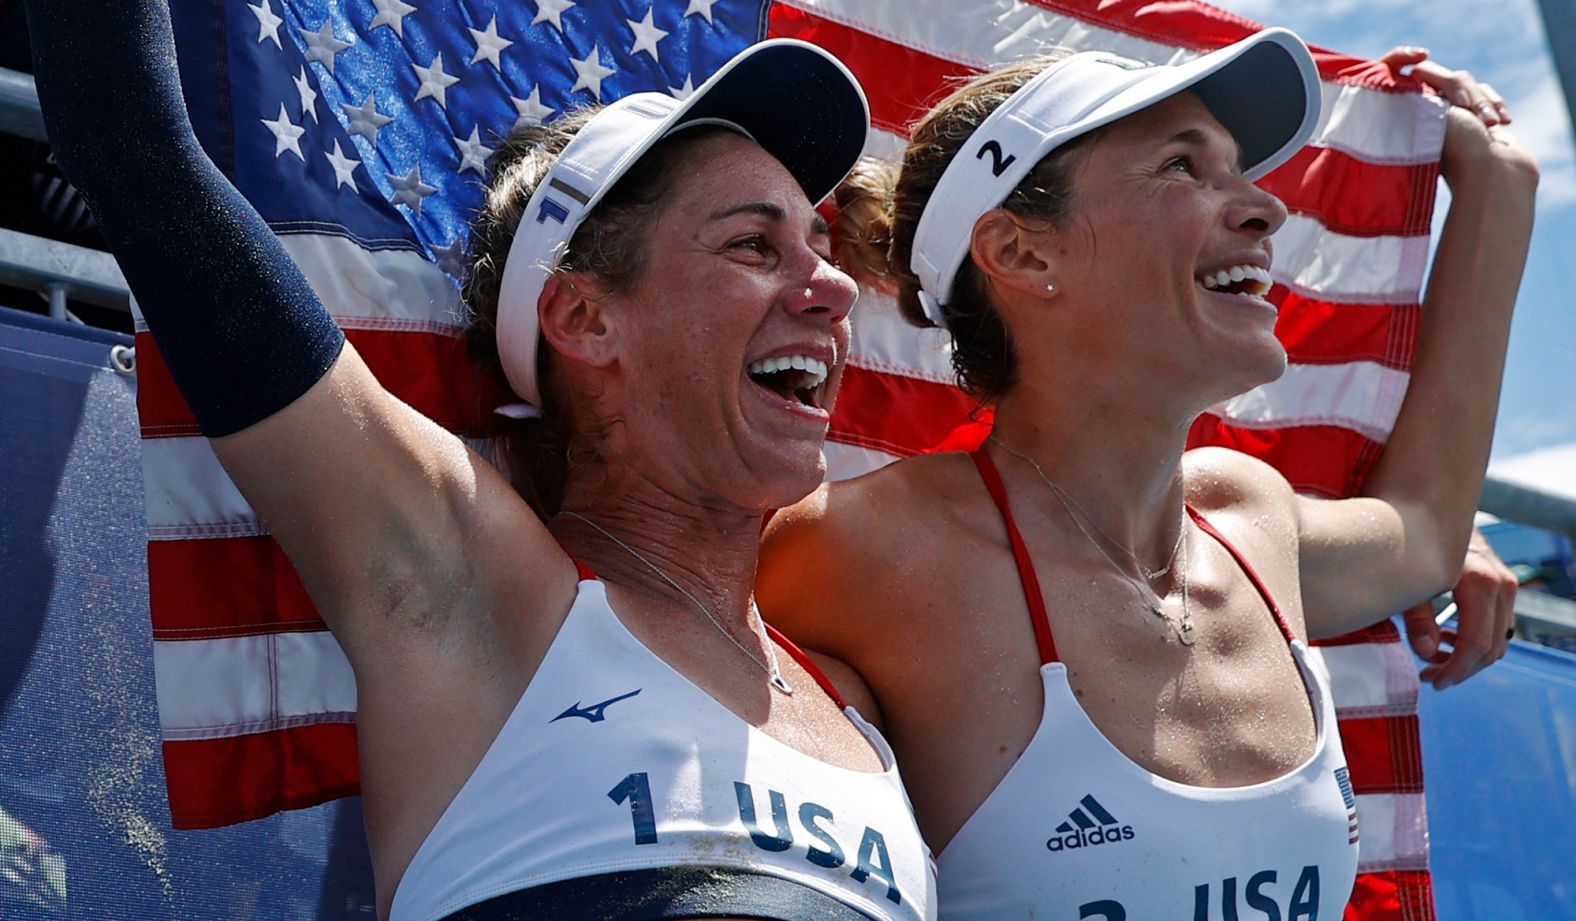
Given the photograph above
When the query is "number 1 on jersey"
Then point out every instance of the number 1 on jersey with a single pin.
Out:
(637, 790)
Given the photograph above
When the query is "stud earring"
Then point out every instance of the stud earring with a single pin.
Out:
(1050, 289)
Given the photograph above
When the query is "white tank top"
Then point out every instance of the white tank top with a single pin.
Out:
(617, 788)
(1076, 830)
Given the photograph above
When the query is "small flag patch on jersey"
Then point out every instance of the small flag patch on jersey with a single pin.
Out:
(1343, 778)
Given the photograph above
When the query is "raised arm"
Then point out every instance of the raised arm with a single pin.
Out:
(1404, 540)
(376, 506)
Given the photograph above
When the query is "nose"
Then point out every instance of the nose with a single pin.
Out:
(827, 295)
(1255, 211)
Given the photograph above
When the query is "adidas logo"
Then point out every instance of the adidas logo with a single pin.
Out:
(1087, 826)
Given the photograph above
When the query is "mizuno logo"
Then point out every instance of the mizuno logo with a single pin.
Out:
(595, 713)
(1087, 826)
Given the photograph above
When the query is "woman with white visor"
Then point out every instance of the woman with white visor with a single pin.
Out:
(1089, 648)
(571, 709)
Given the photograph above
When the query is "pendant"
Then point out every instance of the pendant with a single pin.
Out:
(782, 685)
(1187, 634)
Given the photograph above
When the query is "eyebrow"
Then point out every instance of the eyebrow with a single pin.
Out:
(770, 211)
(1197, 138)
(765, 209)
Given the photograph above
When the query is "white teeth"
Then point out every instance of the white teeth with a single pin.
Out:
(814, 367)
(1237, 273)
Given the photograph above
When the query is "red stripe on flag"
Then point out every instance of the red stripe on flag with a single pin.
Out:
(1317, 332)
(903, 82)
(429, 371)
(1322, 460)
(215, 782)
(900, 415)
(1320, 182)
(1380, 751)
(1402, 895)
(1383, 632)
(234, 586)
(1188, 24)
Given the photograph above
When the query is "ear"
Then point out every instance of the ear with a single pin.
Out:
(574, 320)
(1015, 252)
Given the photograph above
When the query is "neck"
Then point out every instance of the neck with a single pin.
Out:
(1120, 462)
(708, 553)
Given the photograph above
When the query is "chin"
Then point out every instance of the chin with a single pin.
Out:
(791, 476)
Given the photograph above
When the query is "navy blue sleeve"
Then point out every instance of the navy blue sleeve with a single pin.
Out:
(242, 331)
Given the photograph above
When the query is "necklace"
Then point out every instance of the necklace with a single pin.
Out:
(1186, 634)
(771, 667)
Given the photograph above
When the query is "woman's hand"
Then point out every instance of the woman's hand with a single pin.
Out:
(1458, 87)
(1475, 134)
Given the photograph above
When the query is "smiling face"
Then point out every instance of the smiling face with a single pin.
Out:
(1166, 255)
(731, 341)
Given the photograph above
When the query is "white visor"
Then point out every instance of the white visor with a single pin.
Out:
(794, 99)
(1263, 89)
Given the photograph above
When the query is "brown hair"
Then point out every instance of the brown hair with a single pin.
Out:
(881, 240)
(610, 244)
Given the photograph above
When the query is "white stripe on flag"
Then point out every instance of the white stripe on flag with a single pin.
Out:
(187, 494)
(1372, 679)
(1329, 266)
(374, 289)
(846, 461)
(1361, 395)
(1394, 832)
(238, 685)
(884, 341)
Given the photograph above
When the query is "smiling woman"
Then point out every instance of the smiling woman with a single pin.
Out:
(1088, 647)
(568, 703)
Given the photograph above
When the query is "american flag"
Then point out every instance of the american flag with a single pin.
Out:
(359, 130)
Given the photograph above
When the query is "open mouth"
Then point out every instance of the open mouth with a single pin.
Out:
(1238, 279)
(795, 378)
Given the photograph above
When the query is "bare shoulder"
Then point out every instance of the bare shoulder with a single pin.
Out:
(1223, 480)
(850, 545)
(880, 516)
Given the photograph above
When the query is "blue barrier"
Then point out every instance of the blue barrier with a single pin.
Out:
(1499, 755)
(84, 825)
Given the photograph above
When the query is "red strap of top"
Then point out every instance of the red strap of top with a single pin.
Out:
(1020, 555)
(1263, 590)
(807, 663)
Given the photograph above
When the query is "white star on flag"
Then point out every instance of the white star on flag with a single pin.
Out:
(451, 258)
(344, 168)
(473, 153)
(434, 82)
(590, 73)
(321, 46)
(684, 92)
(489, 45)
(303, 86)
(646, 36)
(365, 120)
(287, 136)
(530, 109)
(409, 190)
(392, 13)
(699, 8)
(268, 22)
(552, 11)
